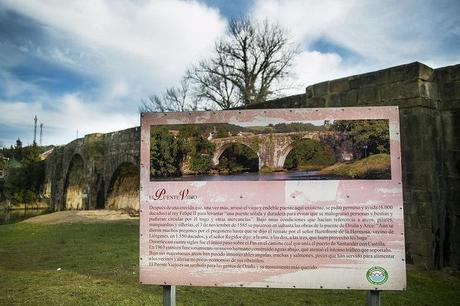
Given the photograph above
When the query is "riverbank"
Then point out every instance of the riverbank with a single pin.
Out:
(15, 213)
(97, 264)
(373, 167)
(22, 206)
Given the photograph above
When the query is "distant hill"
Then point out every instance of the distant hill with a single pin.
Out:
(221, 130)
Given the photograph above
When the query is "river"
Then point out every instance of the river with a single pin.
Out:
(17, 215)
(291, 175)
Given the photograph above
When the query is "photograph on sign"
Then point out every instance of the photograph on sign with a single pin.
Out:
(288, 198)
(315, 150)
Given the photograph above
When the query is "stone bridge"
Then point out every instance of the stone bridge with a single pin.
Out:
(95, 172)
(272, 149)
(101, 170)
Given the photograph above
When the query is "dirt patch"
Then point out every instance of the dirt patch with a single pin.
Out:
(81, 216)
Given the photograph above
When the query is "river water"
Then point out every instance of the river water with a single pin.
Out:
(292, 175)
(17, 215)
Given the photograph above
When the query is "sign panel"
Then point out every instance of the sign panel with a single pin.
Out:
(285, 198)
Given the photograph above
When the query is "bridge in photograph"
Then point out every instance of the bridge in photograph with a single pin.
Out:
(273, 148)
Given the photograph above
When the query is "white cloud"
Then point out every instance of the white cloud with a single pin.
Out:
(69, 114)
(310, 68)
(144, 28)
(305, 20)
(383, 31)
(16, 112)
(131, 49)
(378, 33)
(126, 49)
(12, 86)
(145, 44)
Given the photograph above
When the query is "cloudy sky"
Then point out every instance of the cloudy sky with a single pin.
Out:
(86, 65)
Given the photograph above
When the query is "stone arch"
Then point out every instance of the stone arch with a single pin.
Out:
(286, 149)
(123, 189)
(100, 193)
(224, 146)
(283, 155)
(75, 193)
(289, 147)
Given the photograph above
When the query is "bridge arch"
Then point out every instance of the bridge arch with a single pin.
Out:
(75, 192)
(123, 188)
(220, 149)
(283, 155)
(289, 149)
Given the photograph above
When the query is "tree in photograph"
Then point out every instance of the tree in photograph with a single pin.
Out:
(246, 63)
(367, 136)
(166, 153)
(309, 154)
(197, 148)
(174, 99)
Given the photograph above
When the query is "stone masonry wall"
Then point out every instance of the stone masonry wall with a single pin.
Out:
(102, 155)
(448, 80)
(429, 102)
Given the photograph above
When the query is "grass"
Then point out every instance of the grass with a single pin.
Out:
(311, 167)
(99, 266)
(372, 167)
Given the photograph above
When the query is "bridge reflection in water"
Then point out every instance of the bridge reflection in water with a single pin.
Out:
(292, 175)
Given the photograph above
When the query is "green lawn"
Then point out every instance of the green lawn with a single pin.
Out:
(99, 266)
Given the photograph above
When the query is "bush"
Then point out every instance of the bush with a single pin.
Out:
(201, 163)
(24, 184)
(306, 153)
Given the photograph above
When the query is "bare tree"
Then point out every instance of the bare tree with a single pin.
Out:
(212, 84)
(173, 99)
(246, 63)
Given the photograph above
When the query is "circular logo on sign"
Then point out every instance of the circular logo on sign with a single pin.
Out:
(377, 275)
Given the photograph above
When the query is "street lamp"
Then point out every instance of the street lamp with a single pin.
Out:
(365, 150)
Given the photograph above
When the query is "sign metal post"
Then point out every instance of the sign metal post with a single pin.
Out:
(169, 295)
(373, 298)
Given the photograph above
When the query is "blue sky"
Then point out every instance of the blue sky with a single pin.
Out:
(86, 65)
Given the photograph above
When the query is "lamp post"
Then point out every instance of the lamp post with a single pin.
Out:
(365, 150)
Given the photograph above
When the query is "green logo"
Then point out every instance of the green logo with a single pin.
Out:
(377, 275)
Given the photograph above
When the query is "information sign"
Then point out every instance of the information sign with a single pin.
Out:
(285, 198)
